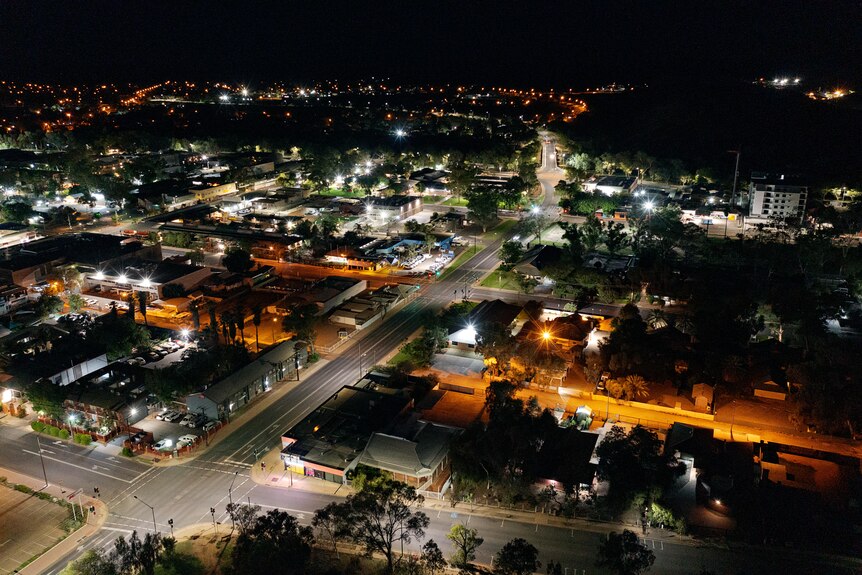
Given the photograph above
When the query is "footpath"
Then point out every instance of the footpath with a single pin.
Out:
(270, 471)
(74, 540)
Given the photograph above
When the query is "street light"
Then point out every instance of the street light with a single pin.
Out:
(546, 335)
(152, 509)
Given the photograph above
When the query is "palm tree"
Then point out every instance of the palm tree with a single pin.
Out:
(143, 298)
(239, 318)
(196, 316)
(628, 388)
(256, 312)
(130, 300)
(657, 319)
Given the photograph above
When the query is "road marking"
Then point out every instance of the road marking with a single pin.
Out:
(121, 530)
(81, 467)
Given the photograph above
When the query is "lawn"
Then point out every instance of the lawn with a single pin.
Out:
(455, 202)
(340, 193)
(507, 280)
(459, 261)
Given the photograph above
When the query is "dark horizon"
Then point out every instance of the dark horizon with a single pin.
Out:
(538, 44)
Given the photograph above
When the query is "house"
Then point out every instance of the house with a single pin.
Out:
(420, 458)
(702, 395)
(429, 181)
(610, 185)
(770, 390)
(485, 315)
(776, 196)
(537, 260)
(11, 298)
(221, 399)
(329, 441)
(565, 333)
(206, 191)
(565, 458)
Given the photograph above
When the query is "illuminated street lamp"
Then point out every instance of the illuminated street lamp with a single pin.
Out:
(546, 335)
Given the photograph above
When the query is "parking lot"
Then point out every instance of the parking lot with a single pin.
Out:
(162, 355)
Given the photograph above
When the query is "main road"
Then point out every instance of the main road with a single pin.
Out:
(187, 492)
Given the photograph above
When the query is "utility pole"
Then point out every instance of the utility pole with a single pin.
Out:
(735, 173)
(42, 460)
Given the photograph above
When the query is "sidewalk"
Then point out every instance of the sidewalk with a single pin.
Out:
(248, 413)
(75, 539)
(274, 475)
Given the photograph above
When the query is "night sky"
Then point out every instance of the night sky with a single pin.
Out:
(566, 43)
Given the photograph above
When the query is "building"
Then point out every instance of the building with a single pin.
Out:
(420, 458)
(776, 196)
(221, 399)
(610, 185)
(11, 298)
(204, 192)
(538, 260)
(106, 398)
(329, 441)
(482, 316)
(393, 207)
(33, 262)
(149, 277)
(332, 291)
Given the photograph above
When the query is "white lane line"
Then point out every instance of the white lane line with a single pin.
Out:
(121, 530)
(79, 467)
(322, 388)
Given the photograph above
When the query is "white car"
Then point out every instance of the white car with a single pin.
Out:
(210, 425)
(188, 420)
(186, 440)
(163, 445)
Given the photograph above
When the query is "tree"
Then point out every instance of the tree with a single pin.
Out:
(624, 554)
(196, 257)
(615, 237)
(46, 397)
(591, 233)
(517, 557)
(46, 305)
(628, 388)
(574, 243)
(130, 306)
(332, 523)
(16, 211)
(256, 313)
(511, 252)
(432, 557)
(243, 516)
(196, 315)
(237, 260)
(302, 322)
(143, 299)
(381, 517)
(527, 283)
(92, 562)
(465, 541)
(461, 179)
(482, 205)
(76, 302)
(274, 541)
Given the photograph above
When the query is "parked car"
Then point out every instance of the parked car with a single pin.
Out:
(210, 425)
(176, 417)
(165, 415)
(188, 420)
(163, 445)
(186, 440)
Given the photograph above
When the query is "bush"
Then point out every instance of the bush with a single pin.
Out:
(23, 489)
(127, 451)
(83, 438)
(37, 426)
(64, 434)
(21, 412)
(52, 431)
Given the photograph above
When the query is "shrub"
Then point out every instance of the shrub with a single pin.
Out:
(23, 489)
(21, 413)
(64, 434)
(52, 431)
(127, 451)
(83, 438)
(37, 426)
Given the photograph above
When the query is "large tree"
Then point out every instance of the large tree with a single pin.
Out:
(465, 540)
(237, 260)
(275, 540)
(624, 554)
(302, 321)
(384, 516)
(482, 203)
(517, 557)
